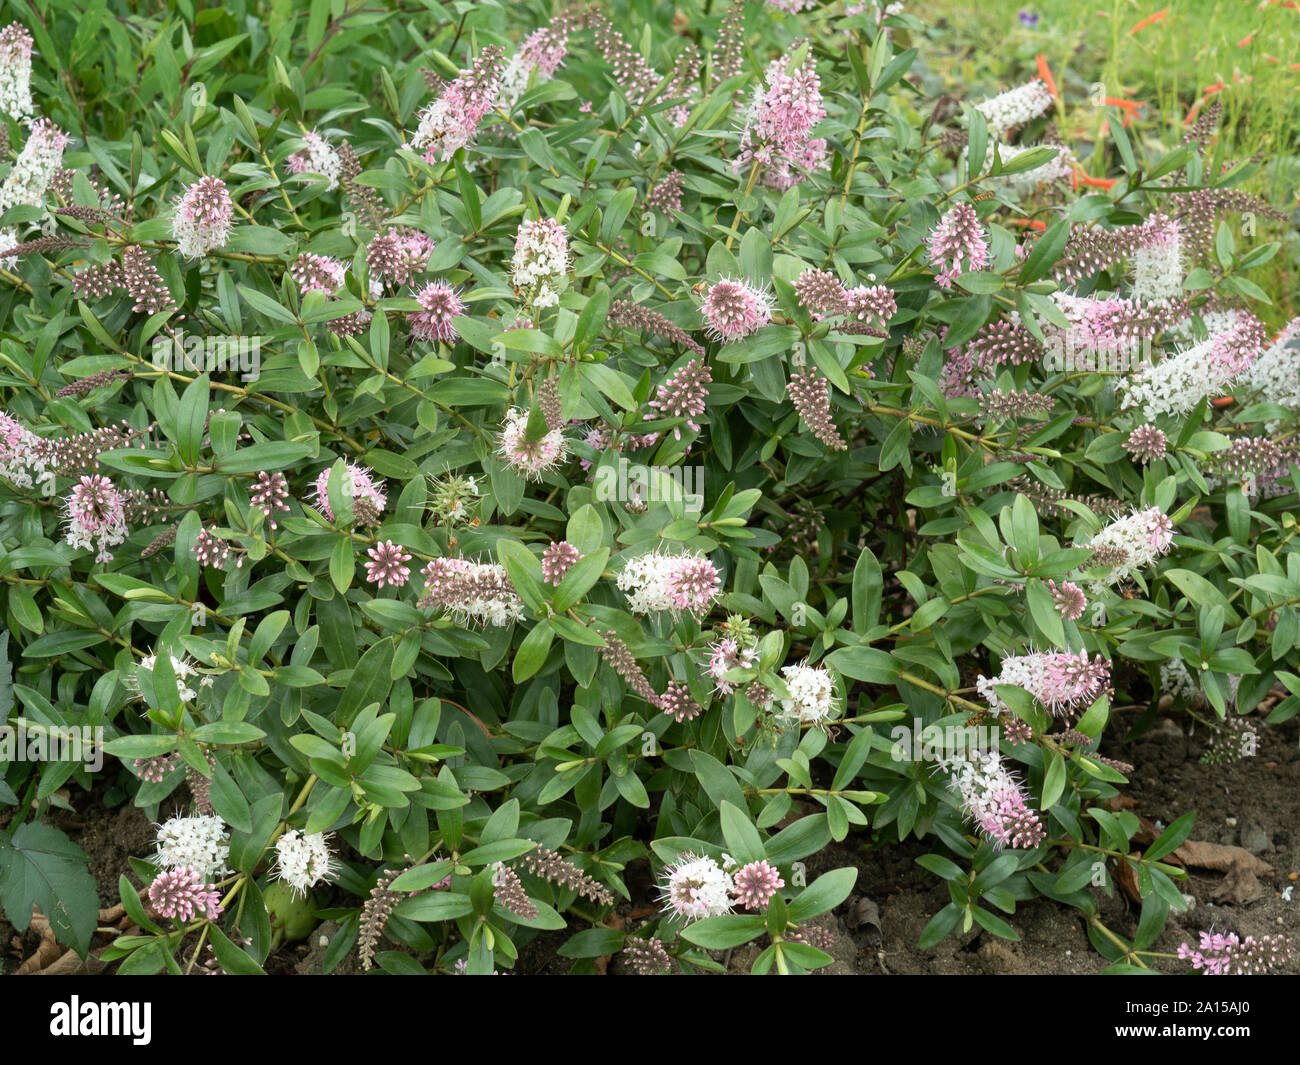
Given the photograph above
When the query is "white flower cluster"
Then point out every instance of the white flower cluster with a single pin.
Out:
(201, 843)
(1014, 108)
(16, 71)
(1143, 536)
(646, 580)
(20, 460)
(1158, 262)
(812, 695)
(1026, 181)
(1175, 679)
(318, 157)
(697, 888)
(1275, 374)
(303, 861)
(980, 777)
(1178, 382)
(530, 458)
(182, 667)
(30, 177)
(96, 525)
(541, 261)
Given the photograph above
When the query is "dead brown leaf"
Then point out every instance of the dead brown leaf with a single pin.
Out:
(1240, 885)
(1126, 881)
(48, 952)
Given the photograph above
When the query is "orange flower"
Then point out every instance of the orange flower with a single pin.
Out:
(1080, 178)
(1246, 40)
(1149, 20)
(1029, 223)
(1218, 86)
(1045, 72)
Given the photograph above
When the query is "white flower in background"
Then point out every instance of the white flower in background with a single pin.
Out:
(541, 261)
(1025, 182)
(695, 888)
(1275, 374)
(303, 861)
(1178, 382)
(812, 694)
(317, 157)
(1158, 261)
(1015, 107)
(1136, 540)
(200, 843)
(182, 667)
(31, 175)
(529, 458)
(16, 71)
(1175, 680)
(655, 582)
(544, 51)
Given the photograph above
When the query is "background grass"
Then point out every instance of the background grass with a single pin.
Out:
(1168, 58)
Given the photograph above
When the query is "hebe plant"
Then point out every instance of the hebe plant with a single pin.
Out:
(644, 414)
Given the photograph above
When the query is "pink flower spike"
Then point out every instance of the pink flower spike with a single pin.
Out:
(957, 236)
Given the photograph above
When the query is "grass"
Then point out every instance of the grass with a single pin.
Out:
(1170, 60)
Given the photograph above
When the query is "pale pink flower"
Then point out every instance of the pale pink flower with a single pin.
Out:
(439, 304)
(733, 309)
(367, 493)
(96, 516)
(450, 122)
(557, 560)
(756, 884)
(958, 236)
(726, 655)
(386, 564)
(317, 273)
(203, 217)
(677, 703)
(683, 396)
(181, 894)
(1068, 598)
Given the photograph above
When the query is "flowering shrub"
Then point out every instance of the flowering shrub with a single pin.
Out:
(639, 426)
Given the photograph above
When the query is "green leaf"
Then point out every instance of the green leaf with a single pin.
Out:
(723, 933)
(743, 841)
(40, 866)
(1172, 837)
(823, 894)
(593, 943)
(232, 958)
(532, 652)
(370, 682)
(1054, 782)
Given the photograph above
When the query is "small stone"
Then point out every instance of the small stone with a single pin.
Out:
(1254, 838)
(1231, 822)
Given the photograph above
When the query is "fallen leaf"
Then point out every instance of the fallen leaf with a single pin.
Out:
(864, 912)
(1221, 857)
(1240, 885)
